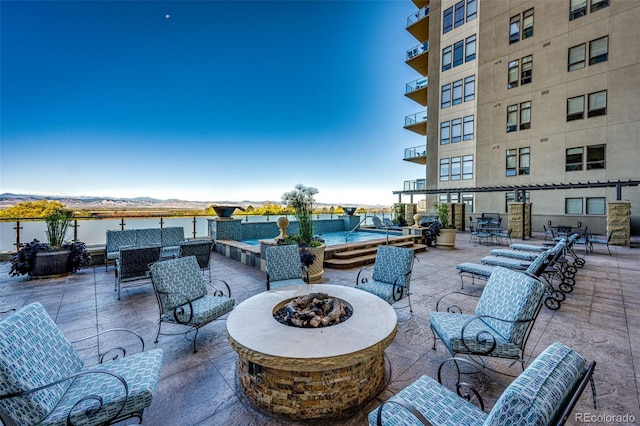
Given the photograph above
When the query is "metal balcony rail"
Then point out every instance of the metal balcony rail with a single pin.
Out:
(417, 16)
(418, 50)
(417, 84)
(416, 118)
(415, 185)
(416, 151)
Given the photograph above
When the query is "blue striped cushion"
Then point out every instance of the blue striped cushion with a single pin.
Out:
(475, 268)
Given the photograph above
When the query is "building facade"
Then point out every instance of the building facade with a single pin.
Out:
(535, 101)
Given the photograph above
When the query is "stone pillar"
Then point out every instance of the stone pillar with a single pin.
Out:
(456, 212)
(619, 222)
(519, 220)
(225, 229)
(409, 211)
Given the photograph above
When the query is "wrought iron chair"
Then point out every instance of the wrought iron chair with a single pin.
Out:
(133, 264)
(391, 276)
(44, 381)
(596, 240)
(502, 322)
(545, 393)
(284, 268)
(201, 249)
(183, 297)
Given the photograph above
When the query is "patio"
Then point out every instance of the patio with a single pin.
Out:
(599, 319)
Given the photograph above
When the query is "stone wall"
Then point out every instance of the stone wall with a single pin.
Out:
(619, 222)
(519, 220)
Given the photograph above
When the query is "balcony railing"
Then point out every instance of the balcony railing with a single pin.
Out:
(416, 151)
(416, 118)
(418, 50)
(417, 84)
(415, 185)
(415, 17)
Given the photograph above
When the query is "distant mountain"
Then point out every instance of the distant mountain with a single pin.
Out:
(90, 202)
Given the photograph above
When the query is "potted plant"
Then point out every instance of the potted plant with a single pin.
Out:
(311, 248)
(55, 258)
(446, 236)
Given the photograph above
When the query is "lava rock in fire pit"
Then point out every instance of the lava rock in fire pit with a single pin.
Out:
(313, 310)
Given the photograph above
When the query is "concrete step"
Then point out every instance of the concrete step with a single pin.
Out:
(365, 258)
(347, 254)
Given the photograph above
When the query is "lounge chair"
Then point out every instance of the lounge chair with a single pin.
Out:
(596, 240)
(390, 225)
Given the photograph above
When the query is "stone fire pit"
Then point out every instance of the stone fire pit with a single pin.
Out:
(309, 373)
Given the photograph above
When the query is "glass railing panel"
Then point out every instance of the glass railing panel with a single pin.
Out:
(418, 50)
(416, 118)
(417, 16)
(417, 84)
(416, 151)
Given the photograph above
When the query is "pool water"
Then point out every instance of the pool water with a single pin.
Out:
(334, 238)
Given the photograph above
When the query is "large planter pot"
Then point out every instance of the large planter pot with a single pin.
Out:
(317, 267)
(54, 263)
(446, 238)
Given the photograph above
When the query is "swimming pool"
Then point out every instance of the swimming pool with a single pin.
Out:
(334, 238)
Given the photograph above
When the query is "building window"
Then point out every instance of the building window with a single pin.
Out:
(596, 205)
(577, 55)
(469, 88)
(459, 14)
(458, 53)
(512, 79)
(514, 29)
(598, 4)
(456, 130)
(598, 50)
(597, 104)
(456, 98)
(577, 8)
(467, 128)
(574, 159)
(445, 97)
(595, 157)
(447, 20)
(512, 118)
(445, 135)
(510, 197)
(573, 205)
(470, 48)
(523, 161)
(472, 9)
(444, 169)
(526, 74)
(525, 115)
(527, 24)
(575, 108)
(446, 58)
(512, 162)
(467, 167)
(456, 170)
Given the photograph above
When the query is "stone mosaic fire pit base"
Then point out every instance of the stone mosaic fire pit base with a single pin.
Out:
(309, 373)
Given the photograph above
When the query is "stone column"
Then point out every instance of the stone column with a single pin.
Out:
(225, 229)
(519, 220)
(456, 211)
(619, 222)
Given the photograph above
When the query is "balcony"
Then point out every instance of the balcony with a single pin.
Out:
(420, 3)
(415, 185)
(418, 24)
(417, 122)
(418, 59)
(416, 154)
(417, 90)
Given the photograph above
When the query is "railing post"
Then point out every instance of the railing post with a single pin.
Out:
(194, 227)
(161, 222)
(75, 230)
(17, 228)
(122, 223)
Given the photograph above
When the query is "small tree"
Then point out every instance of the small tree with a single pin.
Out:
(301, 200)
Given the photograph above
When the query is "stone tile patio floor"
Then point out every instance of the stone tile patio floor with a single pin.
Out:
(599, 319)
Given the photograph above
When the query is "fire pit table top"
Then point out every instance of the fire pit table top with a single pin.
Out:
(257, 336)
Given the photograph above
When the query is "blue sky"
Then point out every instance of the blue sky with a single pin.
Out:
(206, 100)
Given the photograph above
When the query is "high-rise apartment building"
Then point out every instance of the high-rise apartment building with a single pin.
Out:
(527, 100)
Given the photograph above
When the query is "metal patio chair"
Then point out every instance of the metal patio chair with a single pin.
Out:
(284, 267)
(201, 249)
(133, 264)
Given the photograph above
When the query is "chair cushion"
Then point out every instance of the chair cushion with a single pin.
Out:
(33, 353)
(283, 262)
(514, 254)
(475, 269)
(205, 309)
(506, 262)
(537, 394)
(527, 247)
(172, 236)
(286, 283)
(385, 290)
(510, 295)
(141, 372)
(437, 403)
(118, 239)
(177, 279)
(148, 236)
(448, 326)
(393, 263)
